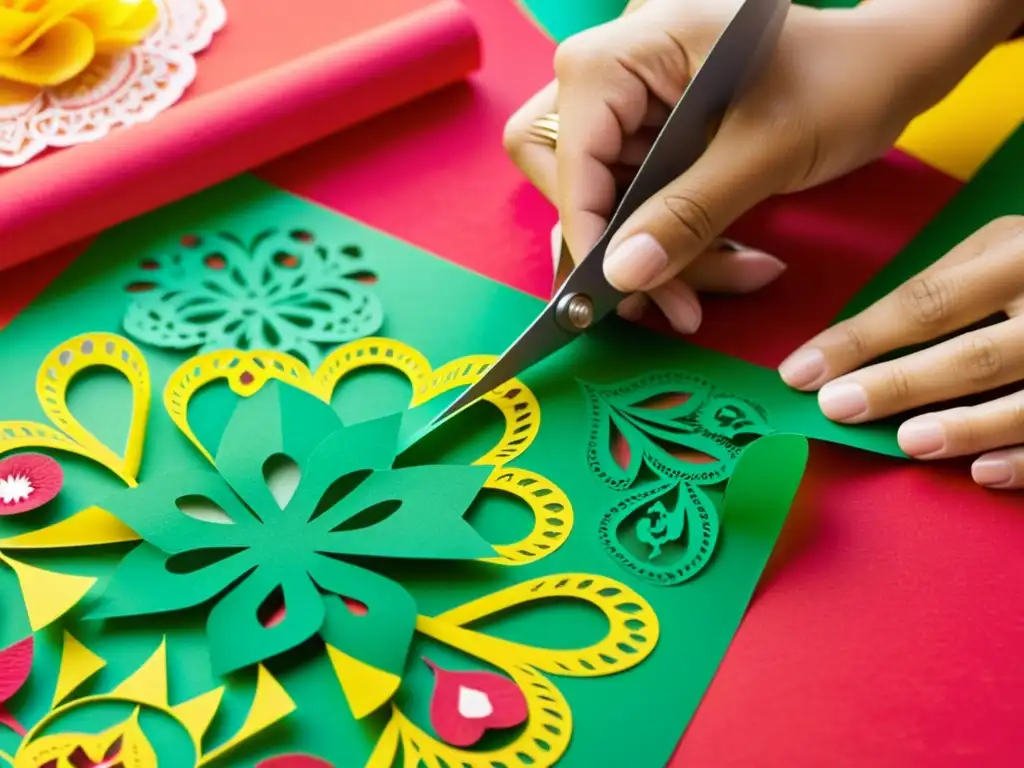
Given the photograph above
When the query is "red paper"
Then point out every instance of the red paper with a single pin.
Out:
(15, 665)
(885, 631)
(274, 79)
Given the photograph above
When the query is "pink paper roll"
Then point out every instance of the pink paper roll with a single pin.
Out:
(239, 117)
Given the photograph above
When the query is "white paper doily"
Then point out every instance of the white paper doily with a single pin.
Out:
(132, 87)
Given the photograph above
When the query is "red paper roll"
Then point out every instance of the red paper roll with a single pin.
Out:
(277, 77)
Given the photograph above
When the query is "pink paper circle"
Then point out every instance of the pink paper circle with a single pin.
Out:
(294, 761)
(38, 476)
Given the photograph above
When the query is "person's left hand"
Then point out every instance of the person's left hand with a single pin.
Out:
(981, 277)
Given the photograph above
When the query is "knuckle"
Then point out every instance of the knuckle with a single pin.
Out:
(928, 300)
(979, 359)
(1015, 418)
(574, 55)
(897, 384)
(854, 340)
(691, 216)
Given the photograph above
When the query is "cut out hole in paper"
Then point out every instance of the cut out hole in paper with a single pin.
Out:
(271, 290)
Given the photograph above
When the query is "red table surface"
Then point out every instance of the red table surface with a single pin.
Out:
(885, 631)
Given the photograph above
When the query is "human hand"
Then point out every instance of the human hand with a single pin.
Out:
(981, 277)
(828, 101)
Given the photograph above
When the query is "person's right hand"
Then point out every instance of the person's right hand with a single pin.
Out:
(831, 99)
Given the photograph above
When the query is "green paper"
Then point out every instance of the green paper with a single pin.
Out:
(286, 549)
(697, 619)
(996, 190)
(276, 290)
(237, 636)
(381, 637)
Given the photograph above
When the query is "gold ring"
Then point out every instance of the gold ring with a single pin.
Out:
(545, 128)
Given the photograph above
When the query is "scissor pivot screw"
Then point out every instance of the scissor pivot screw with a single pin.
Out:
(576, 311)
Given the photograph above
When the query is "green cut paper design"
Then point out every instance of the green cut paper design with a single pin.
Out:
(996, 190)
(275, 290)
(260, 549)
(710, 422)
(697, 620)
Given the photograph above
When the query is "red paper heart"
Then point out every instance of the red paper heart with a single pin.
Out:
(15, 664)
(27, 481)
(467, 704)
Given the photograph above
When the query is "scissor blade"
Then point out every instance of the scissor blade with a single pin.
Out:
(544, 337)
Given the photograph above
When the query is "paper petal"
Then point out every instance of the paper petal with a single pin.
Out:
(427, 523)
(143, 584)
(378, 640)
(15, 664)
(235, 634)
(148, 684)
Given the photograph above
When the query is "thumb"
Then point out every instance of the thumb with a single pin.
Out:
(682, 220)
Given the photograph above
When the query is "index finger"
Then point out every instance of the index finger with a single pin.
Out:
(599, 102)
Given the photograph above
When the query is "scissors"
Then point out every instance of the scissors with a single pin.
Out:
(586, 297)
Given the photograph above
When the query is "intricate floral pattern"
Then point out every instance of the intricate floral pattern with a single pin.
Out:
(116, 90)
(282, 291)
(682, 433)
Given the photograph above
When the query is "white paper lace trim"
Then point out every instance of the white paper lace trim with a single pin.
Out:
(133, 87)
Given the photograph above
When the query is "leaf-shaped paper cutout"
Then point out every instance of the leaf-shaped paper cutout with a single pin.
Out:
(87, 351)
(15, 665)
(237, 638)
(275, 293)
(123, 745)
(659, 516)
(143, 583)
(368, 651)
(147, 684)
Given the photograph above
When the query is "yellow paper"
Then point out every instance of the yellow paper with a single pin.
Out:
(48, 595)
(960, 133)
(197, 714)
(148, 684)
(77, 664)
(552, 515)
(270, 704)
(90, 527)
(366, 688)
(135, 749)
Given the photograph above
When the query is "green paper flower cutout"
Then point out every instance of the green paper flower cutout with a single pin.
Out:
(296, 497)
(282, 292)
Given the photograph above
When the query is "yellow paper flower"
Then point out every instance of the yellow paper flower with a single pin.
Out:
(48, 42)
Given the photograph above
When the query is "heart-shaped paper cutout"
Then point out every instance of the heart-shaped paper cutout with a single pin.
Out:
(465, 705)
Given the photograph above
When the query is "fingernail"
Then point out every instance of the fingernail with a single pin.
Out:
(992, 473)
(843, 401)
(756, 269)
(725, 244)
(635, 263)
(922, 438)
(680, 307)
(632, 307)
(803, 368)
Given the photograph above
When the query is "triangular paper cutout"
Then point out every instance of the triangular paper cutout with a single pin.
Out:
(365, 687)
(269, 704)
(48, 595)
(90, 527)
(77, 664)
(197, 714)
(148, 684)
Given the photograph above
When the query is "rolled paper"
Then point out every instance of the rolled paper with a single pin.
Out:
(272, 81)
